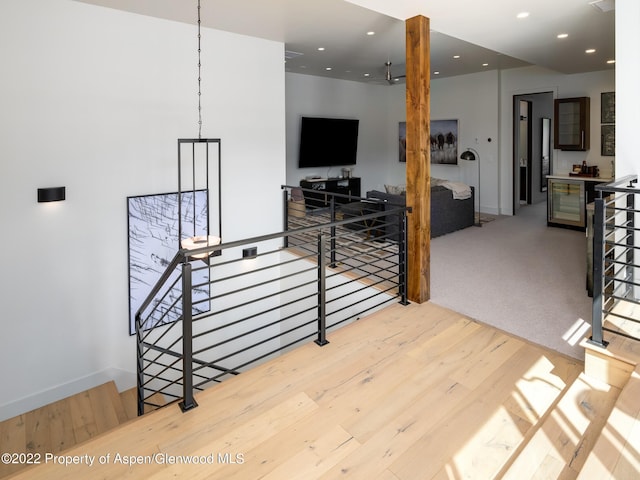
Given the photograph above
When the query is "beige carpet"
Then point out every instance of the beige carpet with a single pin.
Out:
(519, 275)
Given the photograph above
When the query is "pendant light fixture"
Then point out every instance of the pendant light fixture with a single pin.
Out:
(194, 156)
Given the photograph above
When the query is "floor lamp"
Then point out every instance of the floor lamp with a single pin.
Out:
(471, 155)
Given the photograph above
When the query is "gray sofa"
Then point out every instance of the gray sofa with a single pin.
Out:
(447, 214)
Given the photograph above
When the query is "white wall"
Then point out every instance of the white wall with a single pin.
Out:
(95, 99)
(377, 160)
(473, 100)
(627, 92)
(520, 81)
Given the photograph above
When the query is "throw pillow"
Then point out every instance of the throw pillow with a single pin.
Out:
(395, 189)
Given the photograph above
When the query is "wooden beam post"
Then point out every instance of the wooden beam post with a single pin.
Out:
(418, 159)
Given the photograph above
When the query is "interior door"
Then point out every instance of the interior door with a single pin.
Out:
(523, 153)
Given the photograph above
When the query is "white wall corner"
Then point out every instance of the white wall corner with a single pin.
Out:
(124, 380)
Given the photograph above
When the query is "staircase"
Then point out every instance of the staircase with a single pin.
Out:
(59, 426)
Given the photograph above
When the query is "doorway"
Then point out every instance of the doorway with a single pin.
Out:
(532, 115)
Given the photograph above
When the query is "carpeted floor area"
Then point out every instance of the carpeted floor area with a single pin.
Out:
(519, 275)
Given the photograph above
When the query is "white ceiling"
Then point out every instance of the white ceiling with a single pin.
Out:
(479, 31)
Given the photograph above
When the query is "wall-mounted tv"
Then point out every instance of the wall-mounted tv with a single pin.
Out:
(327, 142)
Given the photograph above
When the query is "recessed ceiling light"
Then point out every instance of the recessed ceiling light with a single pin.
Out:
(563, 35)
(321, 49)
(590, 50)
(328, 69)
(485, 64)
(522, 15)
(367, 74)
(436, 73)
(611, 61)
(456, 56)
(371, 33)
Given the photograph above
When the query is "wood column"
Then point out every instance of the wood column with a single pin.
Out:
(418, 159)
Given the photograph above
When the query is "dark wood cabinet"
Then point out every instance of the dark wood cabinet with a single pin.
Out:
(571, 126)
(318, 198)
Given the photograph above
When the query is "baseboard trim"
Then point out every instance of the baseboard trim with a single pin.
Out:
(123, 380)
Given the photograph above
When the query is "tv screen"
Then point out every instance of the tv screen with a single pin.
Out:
(328, 142)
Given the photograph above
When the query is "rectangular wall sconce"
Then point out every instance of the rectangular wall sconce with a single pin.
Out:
(251, 252)
(52, 194)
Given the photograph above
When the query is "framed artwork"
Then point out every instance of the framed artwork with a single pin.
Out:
(607, 140)
(153, 242)
(443, 142)
(402, 141)
(608, 107)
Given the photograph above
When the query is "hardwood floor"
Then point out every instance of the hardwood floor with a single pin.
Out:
(415, 392)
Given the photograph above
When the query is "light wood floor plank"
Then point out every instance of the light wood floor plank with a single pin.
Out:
(60, 426)
(408, 393)
(13, 439)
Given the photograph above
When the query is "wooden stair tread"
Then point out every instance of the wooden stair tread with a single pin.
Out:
(560, 445)
(615, 453)
(62, 424)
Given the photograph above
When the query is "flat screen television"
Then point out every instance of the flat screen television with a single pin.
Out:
(328, 142)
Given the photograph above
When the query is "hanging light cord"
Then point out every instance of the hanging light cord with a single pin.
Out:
(199, 80)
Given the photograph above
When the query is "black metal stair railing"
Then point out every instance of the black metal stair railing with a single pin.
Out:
(206, 321)
(616, 298)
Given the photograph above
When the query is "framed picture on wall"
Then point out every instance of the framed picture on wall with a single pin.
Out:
(608, 107)
(608, 140)
(444, 142)
(153, 242)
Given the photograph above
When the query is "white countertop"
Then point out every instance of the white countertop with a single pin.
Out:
(586, 179)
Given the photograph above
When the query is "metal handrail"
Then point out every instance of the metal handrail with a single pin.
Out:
(614, 253)
(199, 347)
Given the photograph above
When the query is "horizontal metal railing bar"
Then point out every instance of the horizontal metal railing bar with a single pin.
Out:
(176, 341)
(166, 351)
(624, 226)
(173, 264)
(378, 292)
(358, 268)
(347, 260)
(359, 313)
(205, 364)
(157, 362)
(272, 352)
(236, 370)
(236, 306)
(620, 245)
(241, 335)
(241, 320)
(624, 298)
(266, 340)
(622, 334)
(255, 285)
(150, 330)
(622, 280)
(616, 185)
(615, 262)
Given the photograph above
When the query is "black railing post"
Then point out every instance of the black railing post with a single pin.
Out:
(598, 260)
(188, 402)
(322, 292)
(402, 257)
(140, 366)
(332, 206)
(285, 216)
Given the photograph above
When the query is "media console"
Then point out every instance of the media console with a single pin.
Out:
(321, 186)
